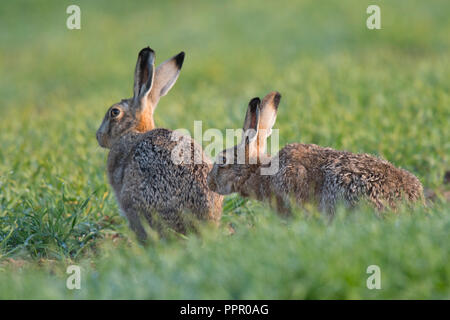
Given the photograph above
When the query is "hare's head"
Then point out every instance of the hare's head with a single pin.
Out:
(235, 165)
(136, 114)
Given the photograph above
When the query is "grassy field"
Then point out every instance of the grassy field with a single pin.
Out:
(385, 92)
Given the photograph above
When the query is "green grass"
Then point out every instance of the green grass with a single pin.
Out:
(385, 92)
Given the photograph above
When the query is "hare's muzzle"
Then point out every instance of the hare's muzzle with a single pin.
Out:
(101, 138)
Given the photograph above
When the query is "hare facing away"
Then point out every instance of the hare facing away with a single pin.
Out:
(146, 182)
(306, 172)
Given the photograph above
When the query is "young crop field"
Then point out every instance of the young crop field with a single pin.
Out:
(385, 92)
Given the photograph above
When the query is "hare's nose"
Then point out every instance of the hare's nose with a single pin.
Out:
(100, 138)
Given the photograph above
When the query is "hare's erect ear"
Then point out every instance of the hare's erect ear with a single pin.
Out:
(144, 73)
(165, 77)
(251, 122)
(269, 107)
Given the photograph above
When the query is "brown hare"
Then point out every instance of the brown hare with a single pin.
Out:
(305, 172)
(146, 181)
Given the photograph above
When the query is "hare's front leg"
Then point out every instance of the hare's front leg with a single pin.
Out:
(135, 224)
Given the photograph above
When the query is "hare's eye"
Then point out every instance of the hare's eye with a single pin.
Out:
(115, 112)
(223, 161)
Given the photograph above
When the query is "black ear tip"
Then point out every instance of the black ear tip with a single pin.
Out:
(276, 99)
(147, 53)
(179, 59)
(146, 50)
(255, 102)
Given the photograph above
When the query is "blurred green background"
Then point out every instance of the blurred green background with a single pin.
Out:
(385, 92)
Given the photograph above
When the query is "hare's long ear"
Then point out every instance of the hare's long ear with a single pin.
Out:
(165, 77)
(269, 107)
(251, 123)
(143, 75)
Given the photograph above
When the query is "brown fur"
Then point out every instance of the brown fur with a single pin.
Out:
(310, 173)
(145, 122)
(146, 181)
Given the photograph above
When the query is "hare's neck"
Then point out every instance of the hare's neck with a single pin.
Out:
(254, 185)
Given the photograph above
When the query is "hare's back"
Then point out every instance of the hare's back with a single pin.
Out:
(342, 163)
(360, 173)
(166, 180)
(352, 173)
